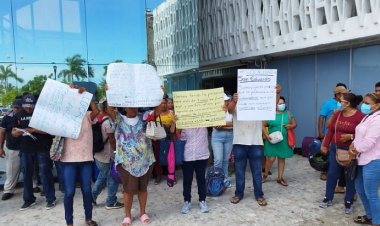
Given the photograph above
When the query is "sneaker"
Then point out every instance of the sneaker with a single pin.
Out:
(227, 183)
(325, 203)
(27, 205)
(6, 196)
(50, 205)
(203, 206)
(348, 209)
(186, 208)
(116, 205)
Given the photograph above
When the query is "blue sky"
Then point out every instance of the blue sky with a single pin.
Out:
(115, 30)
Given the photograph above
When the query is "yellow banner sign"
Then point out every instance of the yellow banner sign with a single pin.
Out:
(199, 108)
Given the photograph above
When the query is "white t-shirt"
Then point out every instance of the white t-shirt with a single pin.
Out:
(247, 132)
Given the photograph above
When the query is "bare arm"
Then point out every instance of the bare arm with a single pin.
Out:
(320, 126)
(265, 131)
(16, 133)
(112, 140)
(232, 105)
(2, 139)
(94, 110)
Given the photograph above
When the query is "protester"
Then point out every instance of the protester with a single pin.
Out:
(162, 115)
(170, 104)
(340, 135)
(281, 150)
(11, 151)
(76, 162)
(34, 148)
(104, 161)
(325, 113)
(221, 142)
(366, 146)
(196, 155)
(247, 145)
(377, 88)
(134, 159)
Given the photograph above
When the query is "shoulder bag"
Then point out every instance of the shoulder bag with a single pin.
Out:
(291, 135)
(276, 136)
(56, 148)
(342, 156)
(155, 130)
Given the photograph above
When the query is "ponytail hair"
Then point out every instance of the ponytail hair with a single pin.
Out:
(353, 99)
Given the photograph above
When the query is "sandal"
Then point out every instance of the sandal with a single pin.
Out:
(91, 223)
(145, 219)
(157, 181)
(262, 202)
(264, 178)
(362, 220)
(235, 200)
(282, 182)
(127, 221)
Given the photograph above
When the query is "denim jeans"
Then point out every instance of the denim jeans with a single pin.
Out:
(367, 184)
(44, 168)
(221, 141)
(58, 168)
(70, 172)
(105, 178)
(188, 169)
(254, 154)
(333, 175)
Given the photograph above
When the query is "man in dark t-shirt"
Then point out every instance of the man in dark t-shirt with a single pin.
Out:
(10, 150)
(34, 147)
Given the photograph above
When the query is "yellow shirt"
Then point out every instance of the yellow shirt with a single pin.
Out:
(166, 119)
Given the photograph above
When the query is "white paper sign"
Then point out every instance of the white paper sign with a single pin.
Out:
(133, 85)
(257, 94)
(60, 110)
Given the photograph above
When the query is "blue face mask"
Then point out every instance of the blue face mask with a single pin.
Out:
(338, 106)
(365, 108)
(281, 107)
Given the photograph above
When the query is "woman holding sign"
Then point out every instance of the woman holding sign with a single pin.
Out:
(134, 160)
(280, 150)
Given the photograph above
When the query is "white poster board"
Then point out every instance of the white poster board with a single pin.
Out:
(60, 110)
(133, 85)
(256, 94)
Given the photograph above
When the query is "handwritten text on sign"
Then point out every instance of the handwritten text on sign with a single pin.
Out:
(133, 85)
(60, 110)
(200, 108)
(257, 94)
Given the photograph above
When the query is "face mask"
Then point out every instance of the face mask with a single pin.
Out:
(281, 107)
(339, 106)
(365, 108)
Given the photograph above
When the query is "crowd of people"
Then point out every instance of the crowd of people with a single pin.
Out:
(347, 122)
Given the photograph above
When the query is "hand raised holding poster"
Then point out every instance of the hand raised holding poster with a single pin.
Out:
(257, 94)
(133, 85)
(199, 108)
(60, 110)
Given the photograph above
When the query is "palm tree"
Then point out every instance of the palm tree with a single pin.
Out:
(105, 67)
(76, 69)
(6, 73)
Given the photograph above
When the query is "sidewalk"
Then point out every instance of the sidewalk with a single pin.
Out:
(293, 205)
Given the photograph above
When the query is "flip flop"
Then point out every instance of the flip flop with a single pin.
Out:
(145, 219)
(262, 201)
(282, 182)
(362, 220)
(235, 200)
(126, 221)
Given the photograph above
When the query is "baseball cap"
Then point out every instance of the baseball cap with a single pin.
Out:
(28, 101)
(17, 103)
(340, 89)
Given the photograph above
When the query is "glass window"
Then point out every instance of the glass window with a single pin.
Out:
(42, 37)
(6, 32)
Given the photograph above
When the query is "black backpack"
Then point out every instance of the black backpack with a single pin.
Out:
(97, 137)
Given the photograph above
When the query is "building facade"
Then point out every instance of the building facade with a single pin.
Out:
(176, 45)
(313, 44)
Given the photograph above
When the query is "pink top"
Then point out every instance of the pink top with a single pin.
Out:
(196, 147)
(367, 139)
(79, 150)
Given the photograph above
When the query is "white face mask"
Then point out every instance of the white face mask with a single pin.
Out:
(281, 107)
